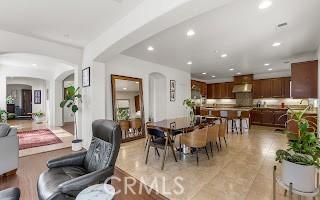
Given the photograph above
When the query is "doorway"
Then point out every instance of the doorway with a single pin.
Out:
(26, 102)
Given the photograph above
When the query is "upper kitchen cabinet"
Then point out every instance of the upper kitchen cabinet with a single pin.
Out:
(304, 77)
(220, 91)
(271, 88)
(200, 86)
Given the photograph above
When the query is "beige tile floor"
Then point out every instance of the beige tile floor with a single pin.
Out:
(25, 125)
(243, 171)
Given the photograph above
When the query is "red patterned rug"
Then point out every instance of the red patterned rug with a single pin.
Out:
(37, 138)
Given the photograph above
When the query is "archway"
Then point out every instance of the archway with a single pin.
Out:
(157, 96)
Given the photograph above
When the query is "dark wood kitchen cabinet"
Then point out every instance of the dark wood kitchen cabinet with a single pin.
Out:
(271, 88)
(256, 116)
(220, 91)
(261, 88)
(304, 78)
(268, 117)
(280, 118)
(201, 86)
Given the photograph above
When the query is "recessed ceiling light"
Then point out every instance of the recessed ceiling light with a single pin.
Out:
(239, 73)
(189, 63)
(266, 64)
(137, 82)
(224, 55)
(276, 44)
(34, 64)
(270, 69)
(190, 33)
(124, 88)
(150, 48)
(204, 73)
(265, 4)
(231, 69)
(213, 76)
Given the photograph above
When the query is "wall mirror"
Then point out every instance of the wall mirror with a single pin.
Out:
(127, 104)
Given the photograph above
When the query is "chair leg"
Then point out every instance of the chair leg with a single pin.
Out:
(148, 149)
(247, 123)
(220, 143)
(164, 153)
(180, 148)
(157, 151)
(197, 151)
(207, 152)
(235, 123)
(241, 127)
(211, 148)
(217, 146)
(174, 153)
(225, 141)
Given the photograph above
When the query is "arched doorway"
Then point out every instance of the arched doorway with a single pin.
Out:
(157, 96)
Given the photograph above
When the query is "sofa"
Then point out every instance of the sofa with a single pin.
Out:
(9, 149)
(10, 194)
(67, 176)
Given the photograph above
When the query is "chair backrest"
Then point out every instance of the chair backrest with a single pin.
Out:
(195, 139)
(204, 112)
(245, 114)
(232, 114)
(223, 129)
(213, 132)
(135, 123)
(215, 113)
(155, 132)
(105, 145)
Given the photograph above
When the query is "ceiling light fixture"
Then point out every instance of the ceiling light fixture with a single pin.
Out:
(270, 69)
(224, 55)
(34, 64)
(189, 63)
(265, 4)
(239, 73)
(266, 64)
(231, 69)
(213, 76)
(204, 73)
(150, 48)
(190, 33)
(124, 88)
(276, 44)
(137, 82)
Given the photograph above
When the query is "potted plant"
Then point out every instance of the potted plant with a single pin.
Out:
(37, 116)
(3, 116)
(301, 158)
(189, 105)
(70, 101)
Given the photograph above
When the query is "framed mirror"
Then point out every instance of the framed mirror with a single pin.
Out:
(127, 105)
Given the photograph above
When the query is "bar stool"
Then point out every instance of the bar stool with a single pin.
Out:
(245, 115)
(124, 126)
(233, 116)
(135, 124)
(217, 114)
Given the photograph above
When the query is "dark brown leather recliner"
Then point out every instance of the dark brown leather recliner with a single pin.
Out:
(69, 175)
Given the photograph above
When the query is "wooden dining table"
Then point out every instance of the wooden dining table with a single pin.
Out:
(170, 127)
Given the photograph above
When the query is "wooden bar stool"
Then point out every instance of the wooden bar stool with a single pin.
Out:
(124, 126)
(245, 115)
(233, 117)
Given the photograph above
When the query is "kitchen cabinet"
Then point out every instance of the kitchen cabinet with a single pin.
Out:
(271, 88)
(304, 77)
(268, 117)
(200, 86)
(220, 91)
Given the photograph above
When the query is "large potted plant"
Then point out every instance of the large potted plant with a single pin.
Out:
(3, 116)
(189, 105)
(38, 117)
(70, 101)
(301, 158)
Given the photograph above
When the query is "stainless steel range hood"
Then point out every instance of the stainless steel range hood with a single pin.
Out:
(242, 88)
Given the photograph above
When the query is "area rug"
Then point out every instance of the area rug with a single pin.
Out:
(37, 138)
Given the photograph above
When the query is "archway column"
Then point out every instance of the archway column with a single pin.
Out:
(3, 91)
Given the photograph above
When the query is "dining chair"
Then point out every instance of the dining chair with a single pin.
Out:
(245, 115)
(135, 124)
(159, 140)
(233, 117)
(213, 134)
(197, 140)
(124, 126)
(223, 129)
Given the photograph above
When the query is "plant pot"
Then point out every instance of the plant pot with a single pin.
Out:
(37, 119)
(302, 177)
(76, 145)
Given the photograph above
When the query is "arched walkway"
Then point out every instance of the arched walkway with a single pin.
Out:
(157, 96)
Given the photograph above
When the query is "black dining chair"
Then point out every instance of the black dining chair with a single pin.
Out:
(159, 140)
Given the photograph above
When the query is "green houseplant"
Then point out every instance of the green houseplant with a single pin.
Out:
(189, 105)
(301, 158)
(3, 115)
(70, 101)
(38, 116)
(123, 114)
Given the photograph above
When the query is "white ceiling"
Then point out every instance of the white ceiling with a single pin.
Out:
(242, 31)
(127, 86)
(34, 62)
(73, 22)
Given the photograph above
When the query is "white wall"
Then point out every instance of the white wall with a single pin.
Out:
(318, 92)
(36, 84)
(133, 67)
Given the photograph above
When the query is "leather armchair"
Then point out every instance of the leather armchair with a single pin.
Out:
(67, 176)
(9, 149)
(10, 194)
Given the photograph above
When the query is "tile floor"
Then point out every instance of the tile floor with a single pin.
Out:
(242, 171)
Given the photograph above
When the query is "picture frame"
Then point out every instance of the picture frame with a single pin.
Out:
(172, 96)
(86, 77)
(37, 97)
(172, 85)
